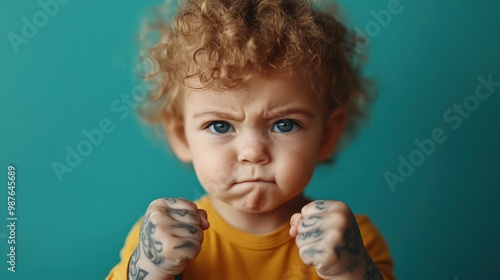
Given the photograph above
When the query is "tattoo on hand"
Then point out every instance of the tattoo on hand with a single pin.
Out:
(151, 246)
(135, 272)
(320, 205)
(171, 200)
(352, 242)
(142, 274)
(313, 251)
(180, 212)
(310, 234)
(187, 244)
(310, 221)
(191, 228)
(352, 245)
(133, 269)
(372, 272)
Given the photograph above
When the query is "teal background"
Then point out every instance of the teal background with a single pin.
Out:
(440, 223)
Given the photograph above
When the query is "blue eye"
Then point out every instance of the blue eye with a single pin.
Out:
(285, 126)
(220, 127)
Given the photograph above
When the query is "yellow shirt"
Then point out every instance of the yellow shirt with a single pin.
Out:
(228, 253)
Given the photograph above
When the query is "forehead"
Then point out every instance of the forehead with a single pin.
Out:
(259, 92)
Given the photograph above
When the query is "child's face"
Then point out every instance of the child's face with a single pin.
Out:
(255, 147)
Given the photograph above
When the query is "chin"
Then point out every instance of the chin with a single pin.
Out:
(251, 207)
(257, 208)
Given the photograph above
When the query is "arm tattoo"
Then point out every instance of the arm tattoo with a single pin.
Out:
(151, 246)
(134, 271)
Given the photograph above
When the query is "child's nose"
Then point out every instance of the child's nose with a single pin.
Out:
(253, 150)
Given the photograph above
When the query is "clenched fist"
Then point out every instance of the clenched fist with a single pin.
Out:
(328, 237)
(171, 234)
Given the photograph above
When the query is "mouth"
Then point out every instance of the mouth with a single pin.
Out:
(255, 181)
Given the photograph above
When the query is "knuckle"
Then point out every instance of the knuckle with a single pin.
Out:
(341, 220)
(170, 200)
(155, 203)
(334, 237)
(308, 254)
(188, 202)
(342, 206)
(155, 215)
(316, 206)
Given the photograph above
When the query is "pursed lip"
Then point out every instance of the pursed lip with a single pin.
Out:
(255, 181)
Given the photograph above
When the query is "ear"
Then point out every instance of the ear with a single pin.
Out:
(177, 138)
(333, 128)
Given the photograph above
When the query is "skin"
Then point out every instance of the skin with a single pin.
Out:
(254, 150)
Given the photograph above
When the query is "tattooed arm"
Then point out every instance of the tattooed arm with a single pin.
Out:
(171, 234)
(328, 237)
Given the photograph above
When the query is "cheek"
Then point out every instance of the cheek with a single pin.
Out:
(296, 169)
(211, 167)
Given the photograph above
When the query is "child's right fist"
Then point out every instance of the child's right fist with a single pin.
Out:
(171, 234)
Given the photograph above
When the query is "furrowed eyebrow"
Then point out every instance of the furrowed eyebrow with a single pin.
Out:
(271, 115)
(217, 114)
(290, 111)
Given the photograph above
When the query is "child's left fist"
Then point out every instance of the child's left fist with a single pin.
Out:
(328, 237)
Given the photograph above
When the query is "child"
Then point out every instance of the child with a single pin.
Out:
(254, 94)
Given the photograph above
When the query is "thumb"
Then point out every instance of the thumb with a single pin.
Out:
(294, 224)
(205, 224)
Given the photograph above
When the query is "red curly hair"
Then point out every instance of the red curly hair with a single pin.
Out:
(224, 42)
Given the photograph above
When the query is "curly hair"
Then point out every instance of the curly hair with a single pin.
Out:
(224, 42)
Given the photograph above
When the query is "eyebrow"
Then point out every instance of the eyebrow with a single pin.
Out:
(222, 115)
(272, 114)
(290, 111)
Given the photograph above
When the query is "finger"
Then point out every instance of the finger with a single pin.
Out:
(184, 215)
(205, 224)
(294, 223)
(311, 222)
(184, 249)
(180, 203)
(185, 230)
(312, 254)
(180, 210)
(309, 237)
(322, 206)
(177, 203)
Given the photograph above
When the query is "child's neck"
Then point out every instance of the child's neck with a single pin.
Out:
(259, 223)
